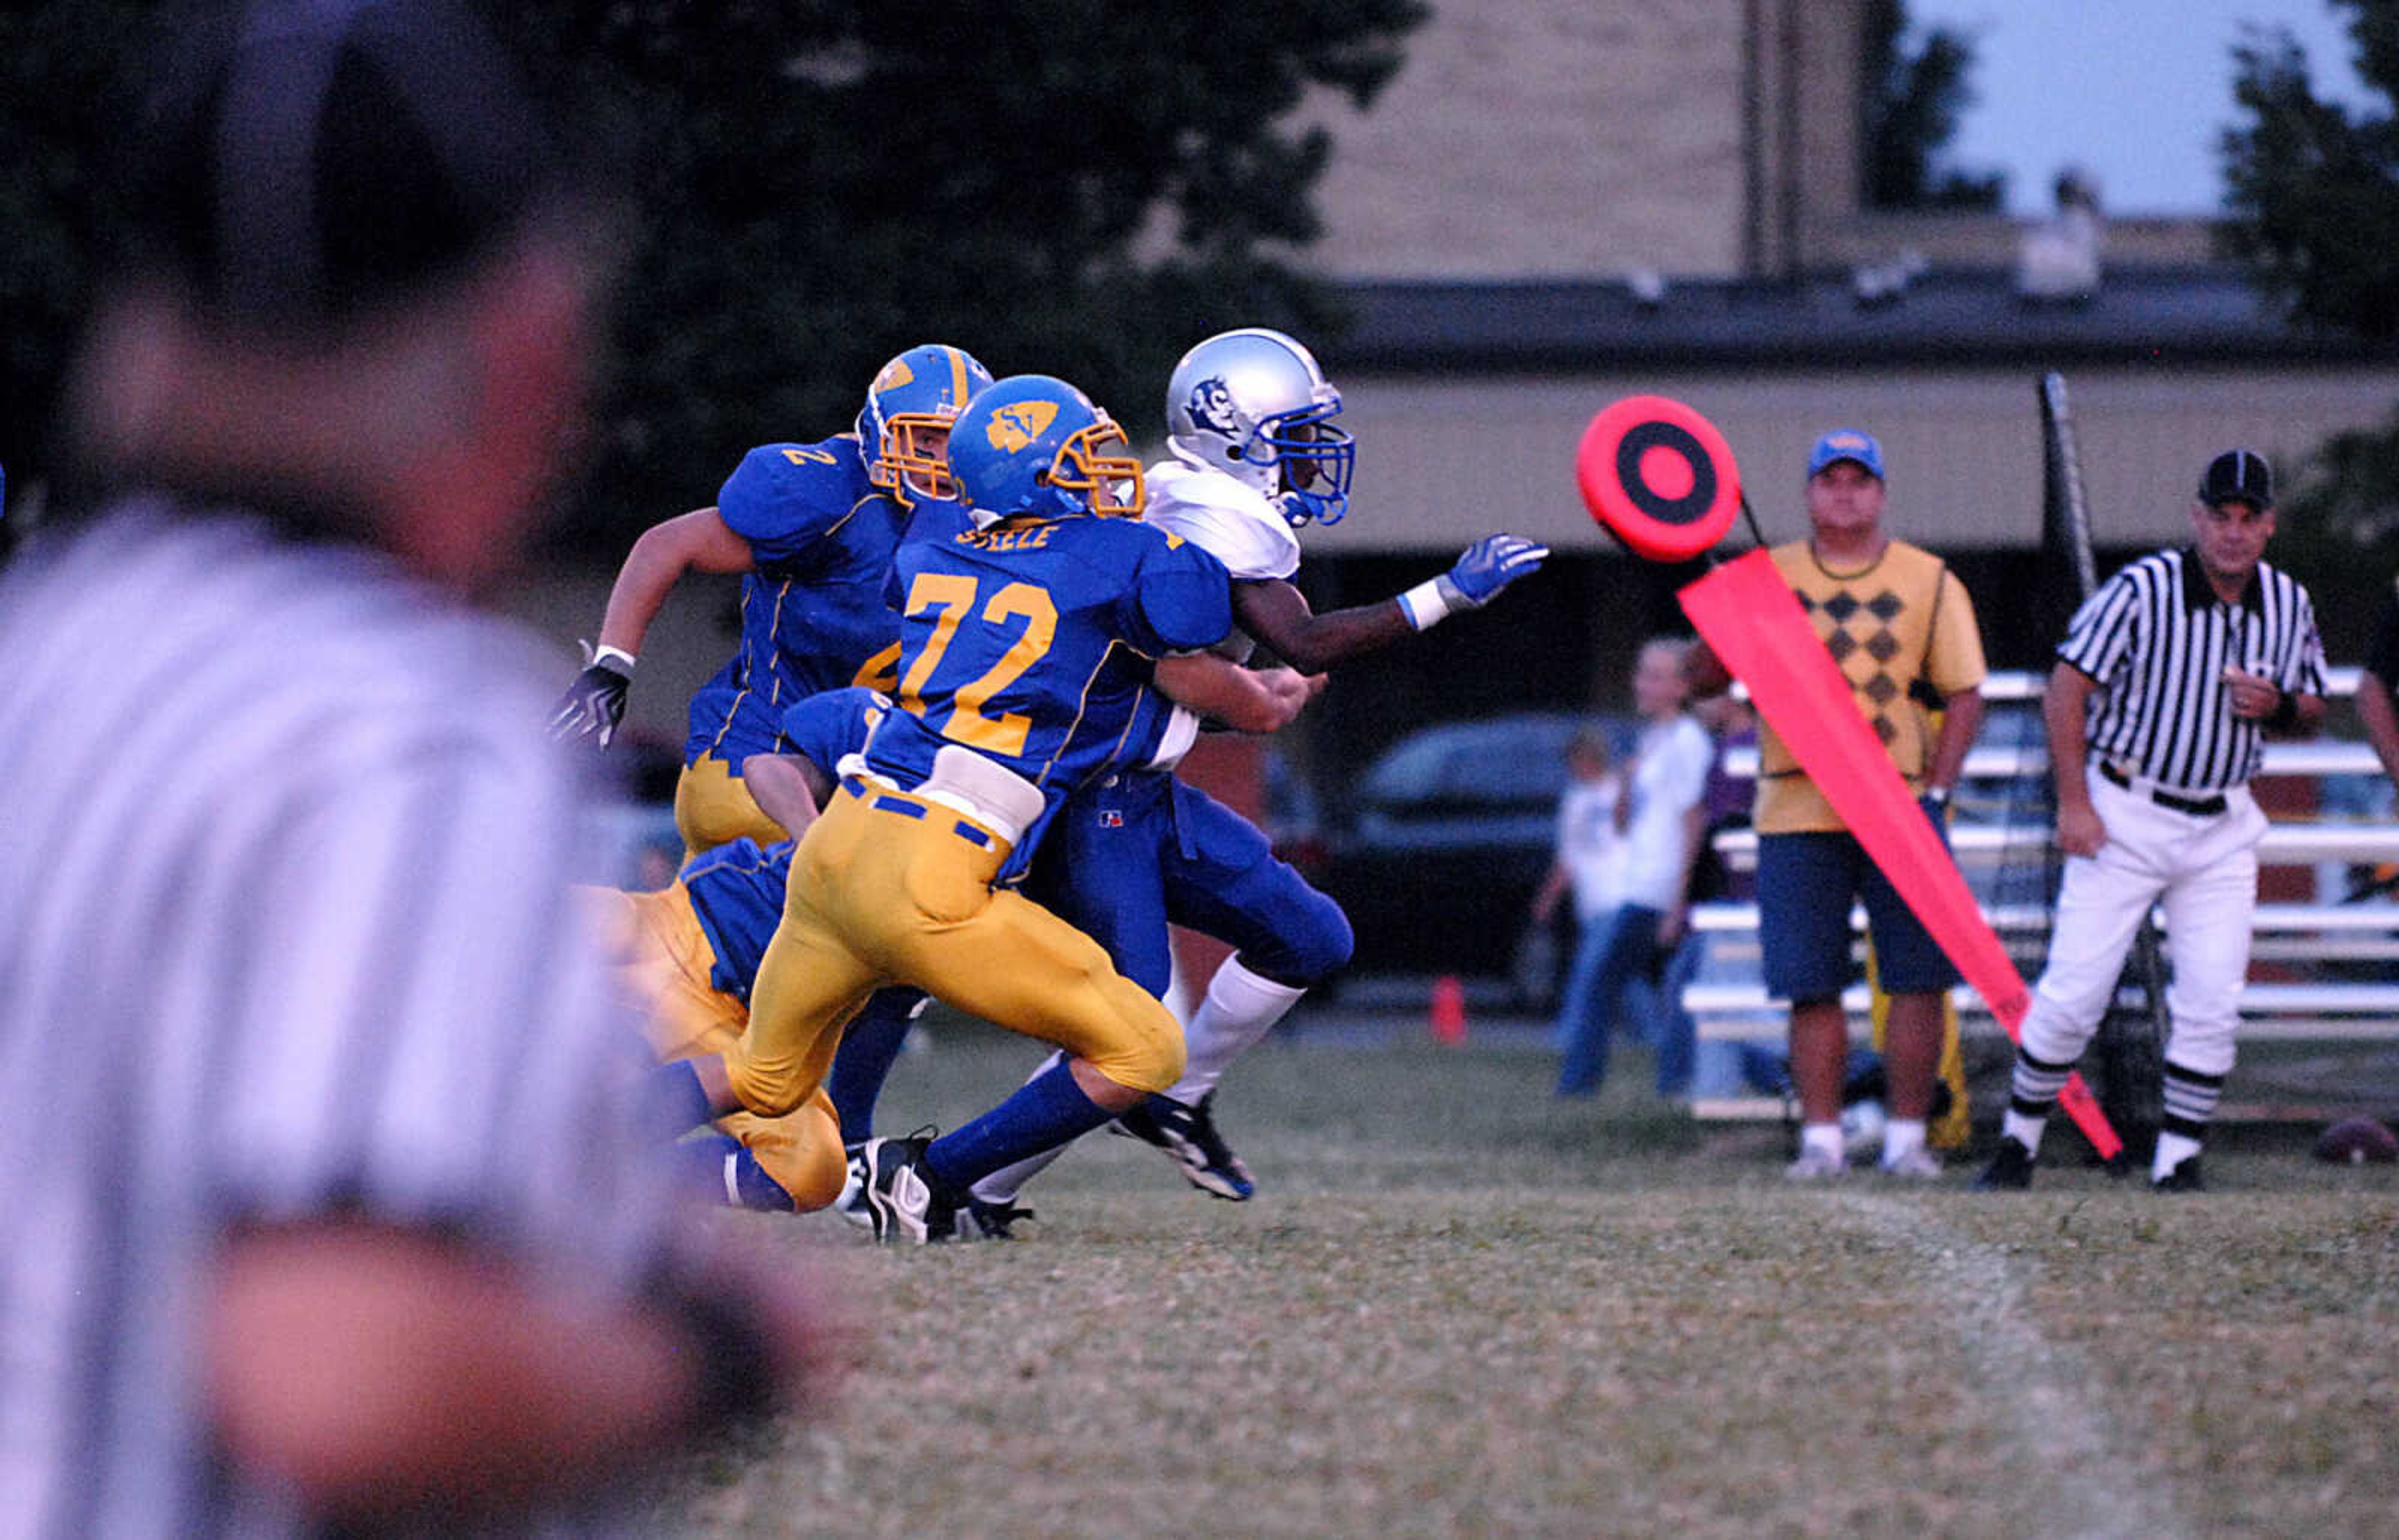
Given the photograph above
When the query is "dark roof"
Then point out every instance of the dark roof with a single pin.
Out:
(1964, 318)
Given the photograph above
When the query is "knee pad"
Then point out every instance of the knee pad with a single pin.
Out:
(1310, 940)
(1147, 1053)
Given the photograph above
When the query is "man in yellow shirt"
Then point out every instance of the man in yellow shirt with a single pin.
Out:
(1900, 625)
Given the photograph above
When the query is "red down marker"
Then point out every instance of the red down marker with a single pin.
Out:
(1674, 483)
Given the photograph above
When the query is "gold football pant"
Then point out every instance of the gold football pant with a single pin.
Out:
(887, 888)
(713, 807)
(663, 960)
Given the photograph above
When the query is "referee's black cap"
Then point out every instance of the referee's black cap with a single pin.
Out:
(2237, 476)
(294, 163)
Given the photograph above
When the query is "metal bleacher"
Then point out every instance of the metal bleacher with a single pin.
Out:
(2321, 972)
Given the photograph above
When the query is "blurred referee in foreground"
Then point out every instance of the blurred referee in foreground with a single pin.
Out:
(2170, 678)
(317, 1214)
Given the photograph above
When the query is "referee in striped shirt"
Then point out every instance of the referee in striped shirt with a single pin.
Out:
(2170, 678)
(321, 1208)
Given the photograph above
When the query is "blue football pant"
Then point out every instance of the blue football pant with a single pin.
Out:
(1121, 862)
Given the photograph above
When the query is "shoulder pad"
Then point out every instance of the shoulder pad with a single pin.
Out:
(783, 494)
(1229, 519)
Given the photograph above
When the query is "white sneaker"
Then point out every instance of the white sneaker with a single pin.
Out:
(1815, 1166)
(1916, 1164)
(852, 1204)
(903, 1196)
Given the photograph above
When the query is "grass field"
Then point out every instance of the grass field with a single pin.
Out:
(1458, 1308)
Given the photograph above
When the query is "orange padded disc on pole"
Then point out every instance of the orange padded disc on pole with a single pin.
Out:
(1659, 477)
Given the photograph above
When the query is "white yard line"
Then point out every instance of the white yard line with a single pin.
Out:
(2032, 1389)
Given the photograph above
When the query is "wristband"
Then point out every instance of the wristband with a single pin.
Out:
(2285, 714)
(1425, 605)
(733, 1378)
(614, 655)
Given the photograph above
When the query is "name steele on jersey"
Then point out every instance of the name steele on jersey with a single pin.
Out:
(1024, 539)
(1004, 539)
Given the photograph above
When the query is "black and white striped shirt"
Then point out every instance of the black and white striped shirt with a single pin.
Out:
(281, 933)
(2156, 639)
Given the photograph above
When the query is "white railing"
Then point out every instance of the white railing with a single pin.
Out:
(1729, 1003)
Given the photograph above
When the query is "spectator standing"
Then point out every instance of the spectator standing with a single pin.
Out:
(1583, 865)
(2171, 677)
(1901, 628)
(1641, 889)
(322, 1212)
(1716, 1067)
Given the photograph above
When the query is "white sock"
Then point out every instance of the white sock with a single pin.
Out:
(1902, 1137)
(1001, 1187)
(1240, 1009)
(2024, 1129)
(2173, 1150)
(1823, 1137)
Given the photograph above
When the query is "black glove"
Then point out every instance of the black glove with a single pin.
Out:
(595, 704)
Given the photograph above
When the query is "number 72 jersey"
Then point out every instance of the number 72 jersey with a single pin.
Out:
(1032, 642)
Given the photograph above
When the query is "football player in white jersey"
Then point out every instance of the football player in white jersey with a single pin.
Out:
(1255, 457)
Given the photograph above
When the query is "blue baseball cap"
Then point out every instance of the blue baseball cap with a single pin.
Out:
(1846, 444)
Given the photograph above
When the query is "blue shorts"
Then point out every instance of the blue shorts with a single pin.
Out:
(1125, 859)
(1805, 886)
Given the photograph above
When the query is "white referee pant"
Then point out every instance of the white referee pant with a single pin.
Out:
(2202, 870)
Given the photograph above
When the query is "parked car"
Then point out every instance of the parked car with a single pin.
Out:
(1450, 834)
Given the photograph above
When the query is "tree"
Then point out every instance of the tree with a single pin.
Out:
(56, 60)
(1079, 187)
(1912, 102)
(2312, 193)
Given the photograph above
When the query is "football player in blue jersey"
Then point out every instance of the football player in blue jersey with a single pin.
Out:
(1024, 673)
(827, 729)
(686, 956)
(1255, 457)
(811, 527)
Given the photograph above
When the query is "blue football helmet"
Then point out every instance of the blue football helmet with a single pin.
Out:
(904, 427)
(1033, 444)
(1253, 404)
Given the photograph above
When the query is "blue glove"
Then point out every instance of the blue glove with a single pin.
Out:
(1489, 566)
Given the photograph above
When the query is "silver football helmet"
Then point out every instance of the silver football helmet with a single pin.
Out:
(1253, 404)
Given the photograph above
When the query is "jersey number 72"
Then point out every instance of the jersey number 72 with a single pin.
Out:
(950, 597)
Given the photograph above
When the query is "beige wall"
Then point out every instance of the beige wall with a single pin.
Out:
(1548, 138)
(1581, 139)
(1555, 139)
(1442, 462)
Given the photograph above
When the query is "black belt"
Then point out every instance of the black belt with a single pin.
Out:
(2198, 808)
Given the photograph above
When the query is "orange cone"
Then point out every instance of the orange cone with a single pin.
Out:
(1448, 1011)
